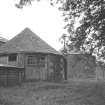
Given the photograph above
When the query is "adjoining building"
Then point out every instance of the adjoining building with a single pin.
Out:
(80, 66)
(38, 59)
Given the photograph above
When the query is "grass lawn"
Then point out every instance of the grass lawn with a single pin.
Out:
(44, 93)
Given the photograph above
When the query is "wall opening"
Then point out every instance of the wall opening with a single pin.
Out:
(12, 57)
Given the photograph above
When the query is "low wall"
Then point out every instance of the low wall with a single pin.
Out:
(80, 66)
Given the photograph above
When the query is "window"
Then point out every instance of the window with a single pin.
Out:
(12, 57)
(32, 60)
(42, 61)
(36, 60)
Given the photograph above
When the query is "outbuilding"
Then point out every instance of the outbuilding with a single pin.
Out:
(80, 66)
(38, 60)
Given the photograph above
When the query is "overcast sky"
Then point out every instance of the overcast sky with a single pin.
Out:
(41, 18)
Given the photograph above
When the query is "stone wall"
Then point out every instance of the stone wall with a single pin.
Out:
(80, 66)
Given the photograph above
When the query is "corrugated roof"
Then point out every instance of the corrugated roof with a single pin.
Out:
(27, 41)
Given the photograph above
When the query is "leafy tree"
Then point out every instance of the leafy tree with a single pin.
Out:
(89, 36)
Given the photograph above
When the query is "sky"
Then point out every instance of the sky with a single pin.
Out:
(43, 19)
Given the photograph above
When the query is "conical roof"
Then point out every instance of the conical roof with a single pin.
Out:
(27, 41)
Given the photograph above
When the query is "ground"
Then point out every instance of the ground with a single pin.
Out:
(44, 93)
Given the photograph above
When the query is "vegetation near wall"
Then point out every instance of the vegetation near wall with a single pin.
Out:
(80, 66)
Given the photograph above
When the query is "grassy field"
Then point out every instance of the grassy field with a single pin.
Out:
(44, 93)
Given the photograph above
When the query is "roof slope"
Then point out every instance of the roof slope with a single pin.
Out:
(3, 39)
(27, 41)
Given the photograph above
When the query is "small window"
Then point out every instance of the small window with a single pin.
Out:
(12, 57)
(42, 61)
(32, 60)
(36, 60)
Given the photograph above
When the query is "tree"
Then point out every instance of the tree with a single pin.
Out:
(89, 34)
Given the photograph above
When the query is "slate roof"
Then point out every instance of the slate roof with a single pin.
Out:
(27, 41)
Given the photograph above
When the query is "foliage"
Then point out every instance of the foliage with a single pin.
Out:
(26, 2)
(89, 35)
